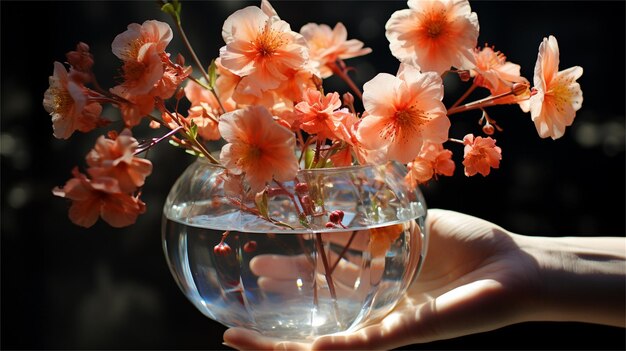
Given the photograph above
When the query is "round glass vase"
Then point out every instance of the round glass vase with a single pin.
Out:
(325, 253)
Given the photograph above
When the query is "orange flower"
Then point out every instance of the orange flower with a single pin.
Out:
(320, 115)
(403, 112)
(203, 117)
(343, 157)
(205, 109)
(172, 78)
(493, 71)
(327, 45)
(480, 155)
(558, 95)
(101, 197)
(261, 48)
(137, 106)
(433, 35)
(257, 146)
(432, 160)
(116, 159)
(69, 106)
(141, 47)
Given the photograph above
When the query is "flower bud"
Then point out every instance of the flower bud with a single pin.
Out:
(488, 129)
(348, 99)
(180, 94)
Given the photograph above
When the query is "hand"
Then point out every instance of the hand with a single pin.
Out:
(475, 278)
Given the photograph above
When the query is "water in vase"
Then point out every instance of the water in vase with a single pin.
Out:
(282, 283)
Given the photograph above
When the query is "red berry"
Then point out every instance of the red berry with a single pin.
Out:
(222, 249)
(336, 216)
(250, 246)
(302, 188)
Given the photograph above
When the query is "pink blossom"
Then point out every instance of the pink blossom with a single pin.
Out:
(327, 45)
(172, 78)
(81, 61)
(68, 104)
(203, 116)
(480, 155)
(432, 160)
(257, 146)
(558, 95)
(321, 115)
(116, 159)
(403, 111)
(101, 197)
(136, 107)
(261, 48)
(297, 83)
(141, 48)
(493, 71)
(343, 157)
(433, 35)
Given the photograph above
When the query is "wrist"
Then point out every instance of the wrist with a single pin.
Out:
(581, 279)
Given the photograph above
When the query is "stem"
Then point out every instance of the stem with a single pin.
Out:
(197, 61)
(290, 195)
(155, 141)
(488, 101)
(204, 151)
(458, 141)
(316, 156)
(343, 251)
(327, 271)
(465, 95)
(342, 73)
(193, 141)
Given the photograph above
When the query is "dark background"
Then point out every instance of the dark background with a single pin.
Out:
(64, 287)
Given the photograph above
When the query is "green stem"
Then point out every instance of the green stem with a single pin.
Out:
(195, 58)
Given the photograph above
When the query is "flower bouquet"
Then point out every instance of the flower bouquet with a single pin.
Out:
(302, 215)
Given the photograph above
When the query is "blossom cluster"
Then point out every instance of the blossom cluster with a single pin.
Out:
(262, 98)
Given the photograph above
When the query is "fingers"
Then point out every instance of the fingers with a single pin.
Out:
(245, 339)
(291, 275)
(478, 306)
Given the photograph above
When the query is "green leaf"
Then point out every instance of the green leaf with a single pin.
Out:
(172, 8)
(261, 202)
(303, 220)
(193, 130)
(194, 153)
(308, 158)
(282, 224)
(212, 74)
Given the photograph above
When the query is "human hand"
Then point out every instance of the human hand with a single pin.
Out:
(475, 278)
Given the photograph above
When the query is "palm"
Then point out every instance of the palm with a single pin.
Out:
(471, 275)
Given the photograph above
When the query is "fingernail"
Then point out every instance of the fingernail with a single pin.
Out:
(227, 345)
